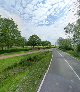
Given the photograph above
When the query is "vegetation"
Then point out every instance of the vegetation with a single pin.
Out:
(34, 40)
(72, 43)
(64, 44)
(74, 54)
(9, 34)
(73, 30)
(45, 43)
(15, 50)
(24, 73)
(10, 37)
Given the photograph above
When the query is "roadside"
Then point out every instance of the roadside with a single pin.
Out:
(72, 53)
(24, 73)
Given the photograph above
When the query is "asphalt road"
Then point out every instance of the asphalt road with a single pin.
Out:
(63, 75)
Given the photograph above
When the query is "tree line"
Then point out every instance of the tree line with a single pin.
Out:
(73, 32)
(73, 40)
(34, 40)
(10, 36)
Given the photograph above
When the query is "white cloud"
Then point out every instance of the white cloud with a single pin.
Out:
(16, 18)
(39, 13)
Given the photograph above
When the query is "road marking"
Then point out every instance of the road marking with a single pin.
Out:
(72, 81)
(57, 83)
(60, 54)
(44, 77)
(70, 86)
(70, 67)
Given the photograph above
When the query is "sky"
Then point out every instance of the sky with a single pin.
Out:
(45, 18)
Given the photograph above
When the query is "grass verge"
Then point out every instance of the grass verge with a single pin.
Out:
(23, 74)
(74, 54)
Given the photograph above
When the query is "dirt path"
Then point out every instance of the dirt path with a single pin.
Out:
(10, 56)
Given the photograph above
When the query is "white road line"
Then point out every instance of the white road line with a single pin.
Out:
(70, 67)
(60, 54)
(44, 77)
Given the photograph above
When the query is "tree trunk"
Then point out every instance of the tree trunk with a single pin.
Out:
(8, 47)
(33, 46)
(23, 46)
(2, 48)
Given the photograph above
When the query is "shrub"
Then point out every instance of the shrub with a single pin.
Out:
(24, 62)
(14, 50)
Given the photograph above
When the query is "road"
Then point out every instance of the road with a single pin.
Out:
(63, 75)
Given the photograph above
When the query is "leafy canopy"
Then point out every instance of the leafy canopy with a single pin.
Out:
(34, 40)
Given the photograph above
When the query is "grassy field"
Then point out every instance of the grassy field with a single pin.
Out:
(24, 73)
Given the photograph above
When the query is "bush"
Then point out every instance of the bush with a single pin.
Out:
(78, 48)
(24, 62)
(11, 67)
(33, 58)
(14, 50)
(74, 53)
(28, 60)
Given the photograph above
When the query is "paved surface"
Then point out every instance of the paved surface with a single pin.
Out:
(63, 75)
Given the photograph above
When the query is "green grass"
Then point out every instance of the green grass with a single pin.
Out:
(9, 62)
(23, 74)
(14, 51)
(20, 50)
(74, 54)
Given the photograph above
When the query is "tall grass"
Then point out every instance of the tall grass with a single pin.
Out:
(23, 74)
(74, 53)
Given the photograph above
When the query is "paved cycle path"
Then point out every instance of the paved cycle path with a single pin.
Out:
(63, 75)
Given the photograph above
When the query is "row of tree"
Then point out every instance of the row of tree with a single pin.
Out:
(11, 36)
(73, 40)
(34, 40)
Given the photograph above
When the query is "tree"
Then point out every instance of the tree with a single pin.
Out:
(21, 41)
(69, 28)
(64, 44)
(74, 31)
(45, 43)
(8, 33)
(78, 10)
(34, 40)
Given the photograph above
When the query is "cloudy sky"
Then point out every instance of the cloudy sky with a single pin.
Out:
(46, 18)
